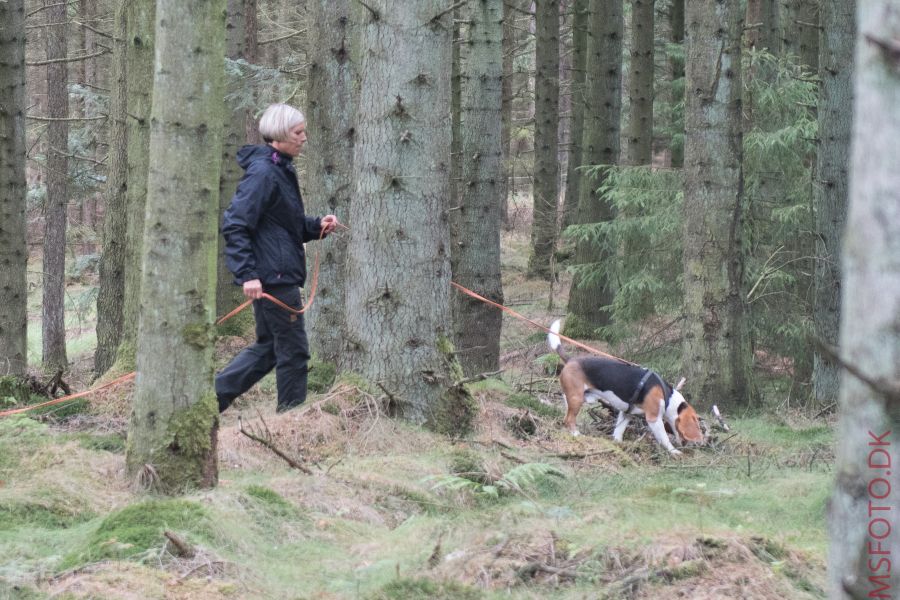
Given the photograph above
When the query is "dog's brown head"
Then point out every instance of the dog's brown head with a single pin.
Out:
(687, 423)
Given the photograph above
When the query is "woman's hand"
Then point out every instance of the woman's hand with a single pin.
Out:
(329, 223)
(253, 289)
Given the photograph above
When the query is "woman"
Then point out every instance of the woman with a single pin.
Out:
(265, 228)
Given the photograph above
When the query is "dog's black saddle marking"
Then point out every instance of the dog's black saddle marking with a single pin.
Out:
(625, 381)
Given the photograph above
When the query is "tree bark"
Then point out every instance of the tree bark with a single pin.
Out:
(57, 178)
(13, 248)
(546, 133)
(332, 102)
(506, 103)
(475, 221)
(229, 295)
(639, 133)
(139, 18)
(175, 413)
(835, 124)
(603, 107)
(110, 298)
(575, 175)
(864, 506)
(716, 352)
(398, 314)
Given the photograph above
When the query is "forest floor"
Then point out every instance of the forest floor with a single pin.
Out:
(518, 509)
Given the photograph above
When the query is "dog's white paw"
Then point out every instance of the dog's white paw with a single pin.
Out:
(675, 452)
(575, 433)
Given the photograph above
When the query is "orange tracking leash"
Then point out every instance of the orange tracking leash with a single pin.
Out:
(312, 294)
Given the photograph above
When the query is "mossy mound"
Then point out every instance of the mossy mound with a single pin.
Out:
(132, 531)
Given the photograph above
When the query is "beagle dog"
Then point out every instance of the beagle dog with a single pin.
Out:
(628, 389)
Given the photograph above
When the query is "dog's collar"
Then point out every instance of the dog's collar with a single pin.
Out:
(637, 390)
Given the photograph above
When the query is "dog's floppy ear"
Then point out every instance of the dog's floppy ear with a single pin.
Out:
(688, 425)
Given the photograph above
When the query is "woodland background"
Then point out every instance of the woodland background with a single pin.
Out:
(703, 187)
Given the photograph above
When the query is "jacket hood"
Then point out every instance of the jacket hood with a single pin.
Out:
(249, 154)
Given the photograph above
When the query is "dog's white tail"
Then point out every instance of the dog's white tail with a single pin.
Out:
(554, 341)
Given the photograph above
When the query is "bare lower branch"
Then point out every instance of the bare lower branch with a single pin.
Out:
(887, 389)
(40, 63)
(447, 10)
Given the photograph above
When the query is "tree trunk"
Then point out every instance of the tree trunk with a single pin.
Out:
(229, 295)
(864, 506)
(603, 106)
(13, 248)
(398, 313)
(475, 221)
(676, 65)
(639, 134)
(57, 178)
(175, 415)
(332, 102)
(716, 351)
(769, 38)
(575, 176)
(110, 298)
(836, 58)
(251, 52)
(509, 45)
(546, 133)
(800, 31)
(139, 17)
(564, 76)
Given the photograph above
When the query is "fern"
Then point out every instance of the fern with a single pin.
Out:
(516, 480)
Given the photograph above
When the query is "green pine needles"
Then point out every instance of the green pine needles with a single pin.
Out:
(645, 235)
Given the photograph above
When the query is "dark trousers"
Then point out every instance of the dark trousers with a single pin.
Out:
(280, 344)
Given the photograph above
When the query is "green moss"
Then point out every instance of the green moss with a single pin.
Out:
(126, 359)
(415, 589)
(238, 325)
(456, 409)
(468, 464)
(534, 405)
(138, 528)
(577, 328)
(111, 442)
(50, 514)
(272, 501)
(321, 375)
(185, 458)
(198, 335)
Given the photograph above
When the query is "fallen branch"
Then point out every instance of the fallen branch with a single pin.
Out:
(182, 548)
(268, 444)
(478, 377)
(532, 568)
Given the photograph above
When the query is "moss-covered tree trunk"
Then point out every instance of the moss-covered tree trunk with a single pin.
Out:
(836, 58)
(864, 531)
(475, 220)
(716, 350)
(639, 132)
(175, 414)
(332, 107)
(546, 134)
(110, 298)
(139, 54)
(603, 107)
(13, 250)
(506, 103)
(229, 295)
(57, 180)
(676, 71)
(398, 311)
(574, 174)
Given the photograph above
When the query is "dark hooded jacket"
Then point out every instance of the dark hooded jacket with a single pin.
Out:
(265, 225)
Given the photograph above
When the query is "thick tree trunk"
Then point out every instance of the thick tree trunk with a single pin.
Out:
(769, 38)
(800, 31)
(110, 298)
(251, 52)
(475, 222)
(575, 175)
(229, 295)
(332, 104)
(865, 536)
(13, 249)
(398, 313)
(546, 133)
(57, 178)
(139, 18)
(835, 123)
(716, 351)
(175, 415)
(639, 134)
(603, 106)
(676, 66)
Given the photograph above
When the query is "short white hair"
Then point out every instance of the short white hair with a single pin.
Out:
(277, 121)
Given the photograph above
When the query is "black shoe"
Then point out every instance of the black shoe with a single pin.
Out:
(281, 408)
